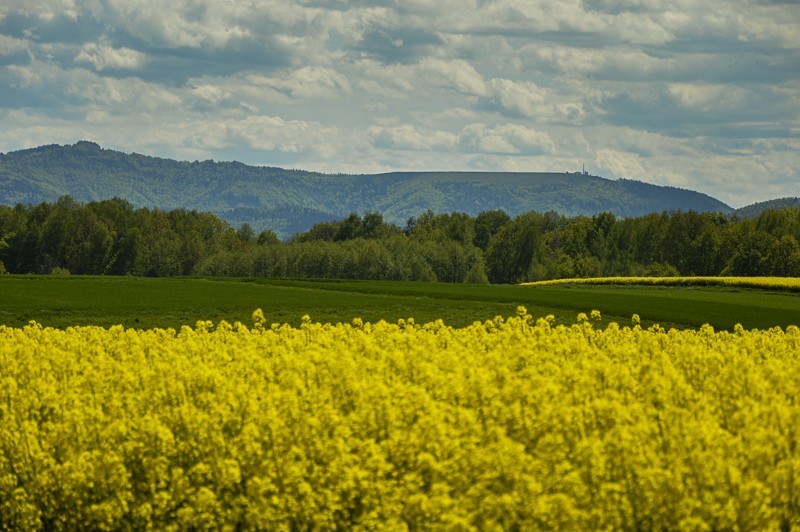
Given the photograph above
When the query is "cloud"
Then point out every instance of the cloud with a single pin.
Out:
(505, 139)
(211, 94)
(455, 74)
(103, 57)
(121, 95)
(518, 99)
(408, 137)
(44, 10)
(636, 28)
(70, 91)
(429, 74)
(683, 110)
(392, 45)
(707, 98)
(10, 46)
(307, 83)
(273, 133)
(184, 24)
(619, 164)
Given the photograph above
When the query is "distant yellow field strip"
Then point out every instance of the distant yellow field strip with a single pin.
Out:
(790, 283)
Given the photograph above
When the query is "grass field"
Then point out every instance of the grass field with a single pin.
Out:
(146, 303)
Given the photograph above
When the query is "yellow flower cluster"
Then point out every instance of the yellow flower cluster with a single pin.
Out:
(786, 283)
(508, 424)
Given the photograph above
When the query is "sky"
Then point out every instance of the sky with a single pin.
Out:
(698, 94)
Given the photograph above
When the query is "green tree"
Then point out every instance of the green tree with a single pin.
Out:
(246, 233)
(350, 228)
(373, 225)
(451, 260)
(751, 257)
(374, 261)
(512, 250)
(158, 247)
(784, 257)
(487, 224)
(477, 274)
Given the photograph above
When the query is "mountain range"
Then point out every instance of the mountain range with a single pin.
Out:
(288, 201)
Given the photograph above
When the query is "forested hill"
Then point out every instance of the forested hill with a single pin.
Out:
(752, 211)
(290, 201)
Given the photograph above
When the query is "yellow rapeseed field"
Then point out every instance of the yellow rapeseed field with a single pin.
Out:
(509, 424)
(783, 283)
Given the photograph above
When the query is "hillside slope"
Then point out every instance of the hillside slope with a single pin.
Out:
(288, 201)
(752, 211)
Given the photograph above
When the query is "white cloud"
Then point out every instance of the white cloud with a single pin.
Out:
(24, 76)
(455, 74)
(183, 23)
(505, 138)
(429, 74)
(408, 137)
(373, 88)
(11, 45)
(452, 117)
(120, 96)
(44, 10)
(707, 97)
(638, 29)
(307, 83)
(519, 98)
(619, 164)
(26, 130)
(102, 56)
(615, 62)
(273, 133)
(212, 94)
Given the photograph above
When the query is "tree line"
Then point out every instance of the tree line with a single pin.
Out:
(114, 238)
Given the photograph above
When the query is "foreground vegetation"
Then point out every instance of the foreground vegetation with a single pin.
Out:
(111, 237)
(63, 301)
(505, 424)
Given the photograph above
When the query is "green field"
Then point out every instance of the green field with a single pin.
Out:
(146, 303)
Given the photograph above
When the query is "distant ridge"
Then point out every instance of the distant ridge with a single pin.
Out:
(289, 201)
(752, 211)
